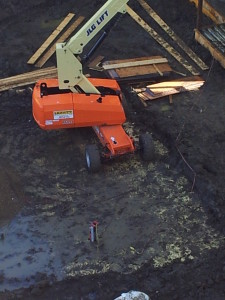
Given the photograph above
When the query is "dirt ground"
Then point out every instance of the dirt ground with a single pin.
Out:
(161, 224)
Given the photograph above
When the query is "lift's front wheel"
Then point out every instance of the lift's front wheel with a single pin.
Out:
(146, 145)
(93, 160)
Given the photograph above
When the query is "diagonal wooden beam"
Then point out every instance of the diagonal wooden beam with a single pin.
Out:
(173, 35)
(66, 34)
(162, 42)
(50, 39)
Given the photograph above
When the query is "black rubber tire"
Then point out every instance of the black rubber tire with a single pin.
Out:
(93, 159)
(146, 146)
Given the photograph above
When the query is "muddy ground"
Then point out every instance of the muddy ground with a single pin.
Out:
(161, 224)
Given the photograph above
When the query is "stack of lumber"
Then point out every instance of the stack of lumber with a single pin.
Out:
(26, 78)
(162, 89)
(137, 68)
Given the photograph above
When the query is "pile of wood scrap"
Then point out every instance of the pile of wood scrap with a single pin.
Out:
(27, 78)
(166, 88)
(137, 68)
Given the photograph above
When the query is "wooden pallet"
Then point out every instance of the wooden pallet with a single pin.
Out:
(215, 52)
(206, 42)
(137, 68)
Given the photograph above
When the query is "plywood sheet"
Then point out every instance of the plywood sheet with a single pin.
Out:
(139, 70)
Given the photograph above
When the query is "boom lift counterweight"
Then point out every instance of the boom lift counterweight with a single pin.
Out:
(73, 100)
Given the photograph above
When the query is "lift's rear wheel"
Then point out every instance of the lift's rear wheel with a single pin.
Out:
(92, 158)
(146, 145)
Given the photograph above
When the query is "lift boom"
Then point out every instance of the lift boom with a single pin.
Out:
(70, 71)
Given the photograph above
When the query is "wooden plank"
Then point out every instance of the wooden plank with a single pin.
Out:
(209, 11)
(137, 71)
(173, 35)
(27, 78)
(207, 44)
(135, 63)
(173, 87)
(144, 70)
(50, 39)
(95, 63)
(162, 42)
(66, 34)
(158, 70)
(166, 88)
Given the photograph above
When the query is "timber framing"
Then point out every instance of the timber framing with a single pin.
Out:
(173, 35)
(162, 42)
(208, 37)
(208, 45)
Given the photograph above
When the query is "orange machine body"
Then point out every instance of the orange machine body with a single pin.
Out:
(52, 110)
(55, 109)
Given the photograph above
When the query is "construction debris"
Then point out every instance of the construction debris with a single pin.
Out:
(162, 42)
(135, 63)
(173, 35)
(95, 63)
(27, 78)
(137, 68)
(162, 89)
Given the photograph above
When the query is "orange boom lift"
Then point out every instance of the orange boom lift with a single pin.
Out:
(73, 100)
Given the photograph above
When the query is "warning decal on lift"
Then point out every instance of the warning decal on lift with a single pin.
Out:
(63, 114)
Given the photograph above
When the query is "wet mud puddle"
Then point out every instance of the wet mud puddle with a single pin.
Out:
(145, 213)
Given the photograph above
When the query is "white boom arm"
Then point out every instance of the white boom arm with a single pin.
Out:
(70, 73)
